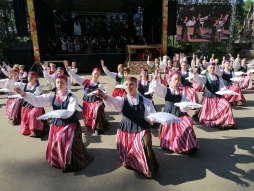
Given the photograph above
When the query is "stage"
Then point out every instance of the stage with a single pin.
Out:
(86, 62)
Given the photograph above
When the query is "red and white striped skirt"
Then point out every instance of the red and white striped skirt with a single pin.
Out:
(118, 92)
(190, 93)
(215, 112)
(59, 145)
(198, 87)
(29, 121)
(234, 98)
(179, 137)
(135, 151)
(90, 114)
(246, 83)
(13, 107)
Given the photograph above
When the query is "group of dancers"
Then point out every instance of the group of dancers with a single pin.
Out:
(134, 99)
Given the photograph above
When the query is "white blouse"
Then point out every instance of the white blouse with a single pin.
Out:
(202, 80)
(111, 74)
(80, 80)
(46, 100)
(118, 102)
(11, 84)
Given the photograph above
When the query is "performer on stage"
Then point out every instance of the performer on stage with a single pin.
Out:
(13, 105)
(134, 140)
(119, 77)
(65, 148)
(93, 107)
(216, 111)
(30, 126)
(226, 75)
(178, 137)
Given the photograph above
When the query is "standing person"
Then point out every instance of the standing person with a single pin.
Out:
(52, 68)
(216, 111)
(178, 137)
(196, 62)
(119, 77)
(93, 107)
(13, 105)
(226, 75)
(30, 126)
(168, 70)
(134, 140)
(65, 148)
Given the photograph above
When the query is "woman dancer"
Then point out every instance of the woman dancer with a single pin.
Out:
(65, 148)
(186, 84)
(30, 126)
(226, 75)
(13, 105)
(93, 107)
(134, 141)
(178, 137)
(119, 77)
(216, 111)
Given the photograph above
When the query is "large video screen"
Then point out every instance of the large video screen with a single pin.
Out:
(203, 23)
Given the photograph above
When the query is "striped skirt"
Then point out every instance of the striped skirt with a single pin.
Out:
(94, 116)
(190, 93)
(179, 137)
(215, 112)
(13, 108)
(66, 149)
(246, 83)
(198, 87)
(135, 151)
(30, 126)
(118, 92)
(234, 98)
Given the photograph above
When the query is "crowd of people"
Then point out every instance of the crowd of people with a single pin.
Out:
(173, 79)
(89, 44)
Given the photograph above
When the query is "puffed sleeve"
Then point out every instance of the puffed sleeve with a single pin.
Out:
(114, 103)
(76, 77)
(199, 78)
(218, 71)
(44, 100)
(149, 108)
(50, 78)
(11, 84)
(110, 74)
(2, 83)
(160, 89)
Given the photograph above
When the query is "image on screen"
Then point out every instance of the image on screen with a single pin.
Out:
(203, 23)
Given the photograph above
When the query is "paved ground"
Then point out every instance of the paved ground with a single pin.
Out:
(225, 160)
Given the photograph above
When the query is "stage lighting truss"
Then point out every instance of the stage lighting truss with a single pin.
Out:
(218, 2)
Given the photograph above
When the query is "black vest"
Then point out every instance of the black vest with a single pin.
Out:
(133, 117)
(89, 90)
(185, 82)
(144, 88)
(226, 78)
(209, 91)
(63, 105)
(24, 103)
(170, 100)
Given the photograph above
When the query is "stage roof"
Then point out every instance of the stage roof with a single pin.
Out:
(98, 5)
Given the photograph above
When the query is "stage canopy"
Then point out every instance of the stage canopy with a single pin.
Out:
(98, 5)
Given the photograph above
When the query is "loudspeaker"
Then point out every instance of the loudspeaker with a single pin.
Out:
(172, 16)
(19, 7)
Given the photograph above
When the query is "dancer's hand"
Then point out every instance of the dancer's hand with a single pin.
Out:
(102, 63)
(99, 93)
(20, 91)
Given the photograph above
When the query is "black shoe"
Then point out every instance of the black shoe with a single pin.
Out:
(98, 131)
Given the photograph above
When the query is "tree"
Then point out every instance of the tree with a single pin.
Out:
(8, 37)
